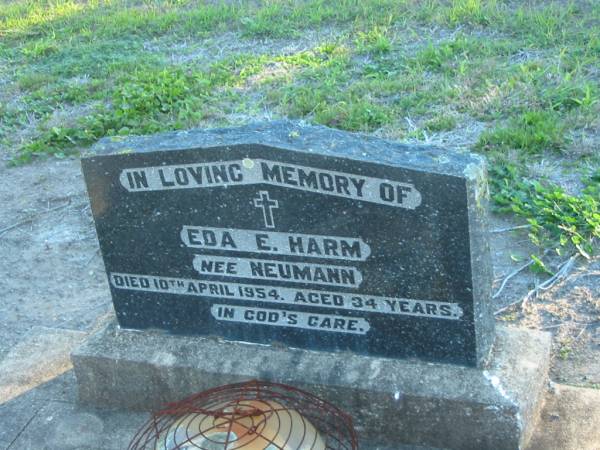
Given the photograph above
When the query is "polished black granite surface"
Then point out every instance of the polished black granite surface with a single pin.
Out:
(294, 235)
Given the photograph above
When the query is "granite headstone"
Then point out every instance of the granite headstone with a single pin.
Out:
(298, 235)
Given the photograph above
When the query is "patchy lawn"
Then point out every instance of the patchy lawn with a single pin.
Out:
(517, 81)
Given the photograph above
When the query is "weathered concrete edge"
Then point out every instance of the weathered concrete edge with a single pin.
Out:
(529, 353)
(481, 260)
(426, 403)
(298, 136)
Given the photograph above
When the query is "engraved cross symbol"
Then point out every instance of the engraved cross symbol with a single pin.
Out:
(268, 205)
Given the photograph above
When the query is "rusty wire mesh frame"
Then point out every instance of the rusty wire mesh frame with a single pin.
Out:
(333, 425)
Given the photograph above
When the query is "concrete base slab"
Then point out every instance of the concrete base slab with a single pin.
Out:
(18, 412)
(66, 426)
(393, 402)
(42, 356)
(570, 420)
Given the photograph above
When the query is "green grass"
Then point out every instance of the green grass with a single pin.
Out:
(526, 72)
(442, 122)
(533, 132)
(375, 40)
(567, 223)
(146, 102)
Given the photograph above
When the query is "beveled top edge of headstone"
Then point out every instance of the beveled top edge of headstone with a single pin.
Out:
(302, 137)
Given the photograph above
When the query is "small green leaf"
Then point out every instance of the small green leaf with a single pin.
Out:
(516, 258)
(539, 266)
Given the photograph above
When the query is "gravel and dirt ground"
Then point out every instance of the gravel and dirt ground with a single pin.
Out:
(54, 292)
